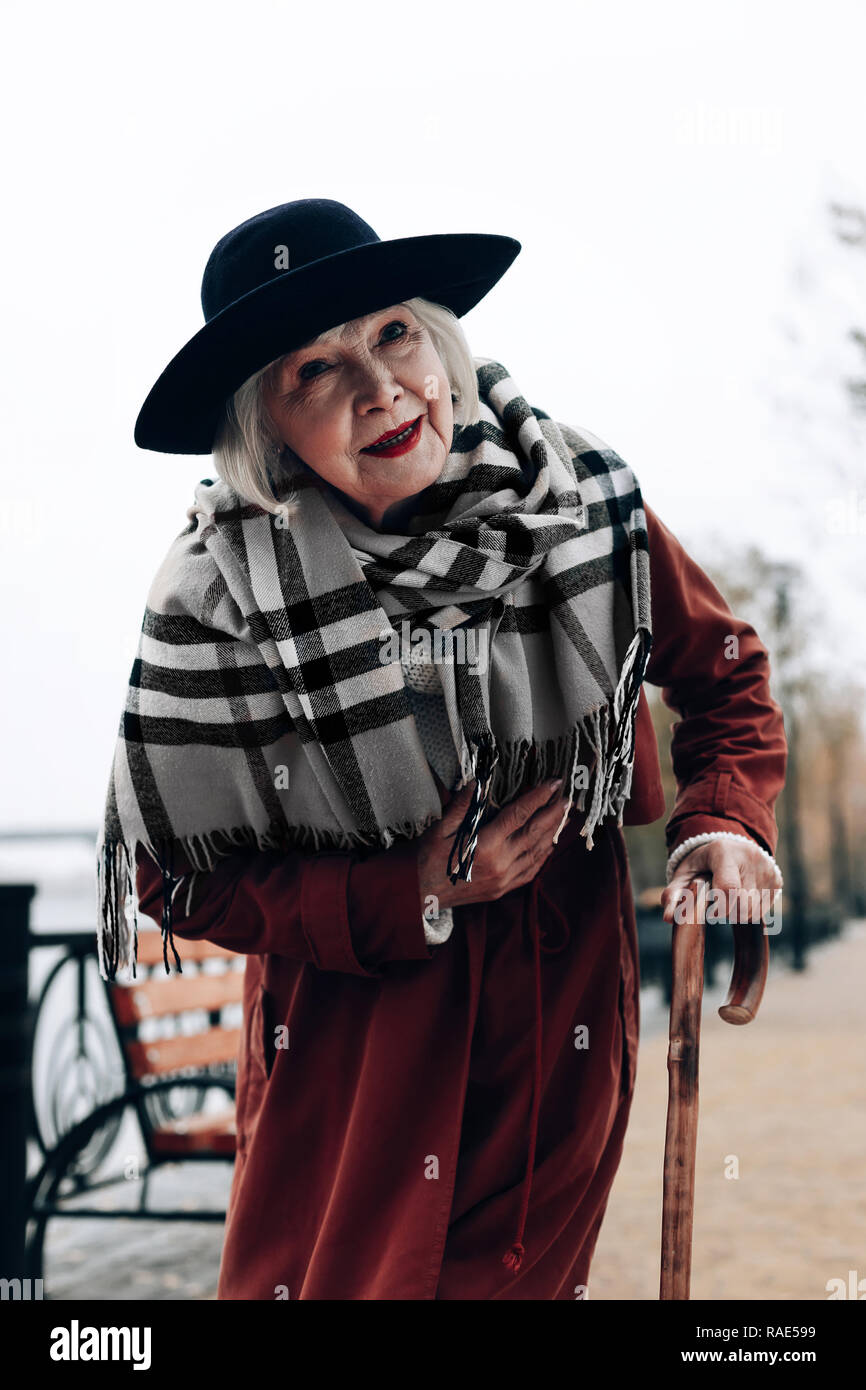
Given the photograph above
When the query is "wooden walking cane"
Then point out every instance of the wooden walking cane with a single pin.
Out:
(751, 958)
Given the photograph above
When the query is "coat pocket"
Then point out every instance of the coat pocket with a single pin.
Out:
(265, 1035)
(627, 1076)
(628, 1001)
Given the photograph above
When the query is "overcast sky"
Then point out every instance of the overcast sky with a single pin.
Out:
(679, 292)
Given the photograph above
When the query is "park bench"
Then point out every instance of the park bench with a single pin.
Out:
(175, 1048)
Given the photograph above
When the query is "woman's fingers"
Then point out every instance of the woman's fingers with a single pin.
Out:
(511, 847)
(519, 820)
(744, 885)
(527, 864)
(534, 843)
(538, 830)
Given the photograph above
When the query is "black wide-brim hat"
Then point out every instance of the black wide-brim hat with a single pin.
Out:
(283, 277)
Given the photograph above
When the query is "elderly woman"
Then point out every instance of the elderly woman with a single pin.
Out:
(384, 726)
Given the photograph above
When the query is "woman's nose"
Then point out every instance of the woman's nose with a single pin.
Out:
(378, 389)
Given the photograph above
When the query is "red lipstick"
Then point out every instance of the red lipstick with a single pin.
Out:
(407, 437)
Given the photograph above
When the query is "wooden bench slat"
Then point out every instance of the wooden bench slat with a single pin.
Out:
(158, 998)
(196, 1134)
(185, 1050)
(150, 950)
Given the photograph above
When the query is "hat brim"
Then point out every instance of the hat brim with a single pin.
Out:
(185, 407)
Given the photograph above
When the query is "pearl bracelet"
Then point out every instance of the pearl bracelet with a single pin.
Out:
(694, 840)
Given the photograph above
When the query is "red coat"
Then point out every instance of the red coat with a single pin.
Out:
(434, 1105)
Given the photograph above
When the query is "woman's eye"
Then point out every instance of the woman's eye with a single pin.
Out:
(317, 363)
(396, 323)
(303, 373)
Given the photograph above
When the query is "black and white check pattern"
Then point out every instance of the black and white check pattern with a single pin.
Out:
(260, 713)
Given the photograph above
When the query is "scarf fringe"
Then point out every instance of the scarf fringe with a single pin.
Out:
(117, 935)
(608, 730)
(500, 771)
(484, 758)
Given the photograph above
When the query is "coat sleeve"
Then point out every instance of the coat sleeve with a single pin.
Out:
(728, 749)
(344, 912)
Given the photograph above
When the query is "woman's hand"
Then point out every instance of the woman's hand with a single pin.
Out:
(511, 847)
(738, 868)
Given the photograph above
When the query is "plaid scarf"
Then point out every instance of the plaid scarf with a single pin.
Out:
(267, 707)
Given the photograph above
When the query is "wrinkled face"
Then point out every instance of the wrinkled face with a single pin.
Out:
(334, 398)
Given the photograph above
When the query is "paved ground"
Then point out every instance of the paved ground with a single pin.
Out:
(784, 1095)
(122, 1259)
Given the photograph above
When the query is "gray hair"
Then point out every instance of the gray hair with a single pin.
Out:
(254, 461)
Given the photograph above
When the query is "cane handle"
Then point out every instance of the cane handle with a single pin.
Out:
(749, 975)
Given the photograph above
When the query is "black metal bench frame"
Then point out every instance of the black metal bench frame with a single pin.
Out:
(147, 1098)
